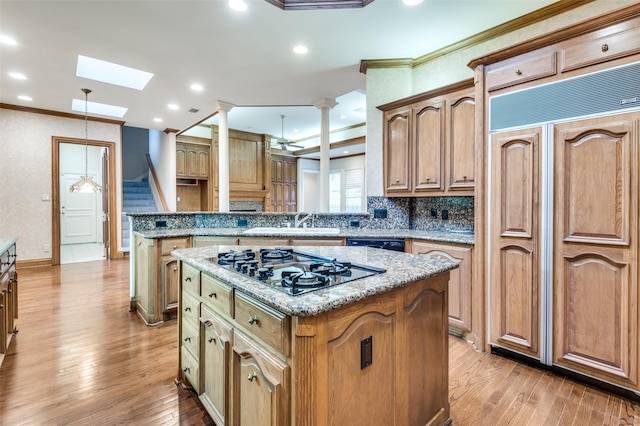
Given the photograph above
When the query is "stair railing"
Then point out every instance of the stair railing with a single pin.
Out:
(155, 182)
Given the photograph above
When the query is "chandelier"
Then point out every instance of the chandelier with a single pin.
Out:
(86, 184)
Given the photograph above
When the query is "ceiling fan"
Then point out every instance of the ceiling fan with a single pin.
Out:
(284, 143)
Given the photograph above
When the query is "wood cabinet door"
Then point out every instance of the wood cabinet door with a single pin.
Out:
(461, 109)
(170, 284)
(215, 365)
(181, 161)
(203, 163)
(396, 147)
(595, 280)
(192, 162)
(459, 280)
(260, 385)
(514, 234)
(428, 143)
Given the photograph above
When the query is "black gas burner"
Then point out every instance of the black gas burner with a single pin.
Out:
(231, 257)
(278, 253)
(292, 272)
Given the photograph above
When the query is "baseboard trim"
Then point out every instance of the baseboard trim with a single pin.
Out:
(33, 263)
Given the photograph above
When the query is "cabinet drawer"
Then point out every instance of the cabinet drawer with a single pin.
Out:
(216, 294)
(266, 323)
(190, 368)
(520, 70)
(602, 49)
(191, 339)
(167, 245)
(190, 310)
(190, 279)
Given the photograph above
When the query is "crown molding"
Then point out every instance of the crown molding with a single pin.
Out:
(60, 114)
(515, 24)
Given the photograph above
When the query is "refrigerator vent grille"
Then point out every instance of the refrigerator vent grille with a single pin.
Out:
(607, 91)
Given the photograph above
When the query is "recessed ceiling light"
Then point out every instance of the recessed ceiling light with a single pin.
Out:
(173, 107)
(24, 98)
(238, 5)
(98, 108)
(197, 87)
(158, 120)
(343, 116)
(7, 40)
(296, 130)
(17, 76)
(107, 72)
(300, 49)
(412, 2)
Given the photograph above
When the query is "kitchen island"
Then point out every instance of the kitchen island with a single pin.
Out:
(369, 351)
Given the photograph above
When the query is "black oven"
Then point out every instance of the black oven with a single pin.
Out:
(383, 243)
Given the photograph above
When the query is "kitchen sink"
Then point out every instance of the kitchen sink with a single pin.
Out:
(291, 231)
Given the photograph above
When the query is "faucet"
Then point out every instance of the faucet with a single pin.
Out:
(298, 221)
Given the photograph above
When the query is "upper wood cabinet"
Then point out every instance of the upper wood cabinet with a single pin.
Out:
(192, 161)
(284, 187)
(429, 143)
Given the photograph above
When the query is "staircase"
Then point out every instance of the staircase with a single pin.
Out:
(136, 197)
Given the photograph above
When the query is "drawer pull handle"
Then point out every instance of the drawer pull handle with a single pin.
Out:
(518, 72)
(188, 279)
(251, 377)
(604, 47)
(253, 320)
(187, 339)
(187, 309)
(186, 369)
(212, 340)
(212, 294)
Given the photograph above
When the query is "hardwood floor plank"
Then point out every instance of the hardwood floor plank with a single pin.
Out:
(81, 358)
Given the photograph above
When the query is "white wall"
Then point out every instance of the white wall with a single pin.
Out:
(25, 174)
(386, 85)
(162, 150)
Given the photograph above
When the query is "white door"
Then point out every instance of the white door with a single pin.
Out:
(78, 213)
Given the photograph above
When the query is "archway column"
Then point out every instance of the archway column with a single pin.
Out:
(223, 155)
(324, 105)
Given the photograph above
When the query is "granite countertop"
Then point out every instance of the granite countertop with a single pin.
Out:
(402, 269)
(5, 243)
(440, 236)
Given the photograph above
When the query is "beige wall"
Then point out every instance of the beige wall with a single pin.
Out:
(386, 85)
(25, 174)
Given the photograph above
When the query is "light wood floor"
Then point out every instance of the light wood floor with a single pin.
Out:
(80, 358)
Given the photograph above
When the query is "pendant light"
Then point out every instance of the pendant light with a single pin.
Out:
(86, 185)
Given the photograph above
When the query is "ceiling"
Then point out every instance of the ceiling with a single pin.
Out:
(243, 58)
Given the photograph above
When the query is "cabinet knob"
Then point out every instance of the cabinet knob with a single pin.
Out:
(253, 320)
(211, 340)
(187, 309)
(464, 177)
(397, 180)
(215, 295)
(427, 178)
(251, 377)
(175, 247)
(188, 279)
(518, 72)
(187, 339)
(604, 47)
(175, 268)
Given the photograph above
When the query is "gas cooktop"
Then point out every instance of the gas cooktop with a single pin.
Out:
(291, 271)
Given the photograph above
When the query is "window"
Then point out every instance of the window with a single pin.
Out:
(346, 192)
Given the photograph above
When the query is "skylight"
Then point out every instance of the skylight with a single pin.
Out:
(107, 72)
(99, 109)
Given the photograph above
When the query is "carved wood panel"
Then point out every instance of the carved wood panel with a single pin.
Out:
(397, 126)
(461, 142)
(429, 145)
(514, 283)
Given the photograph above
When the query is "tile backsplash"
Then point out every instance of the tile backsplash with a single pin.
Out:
(450, 213)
